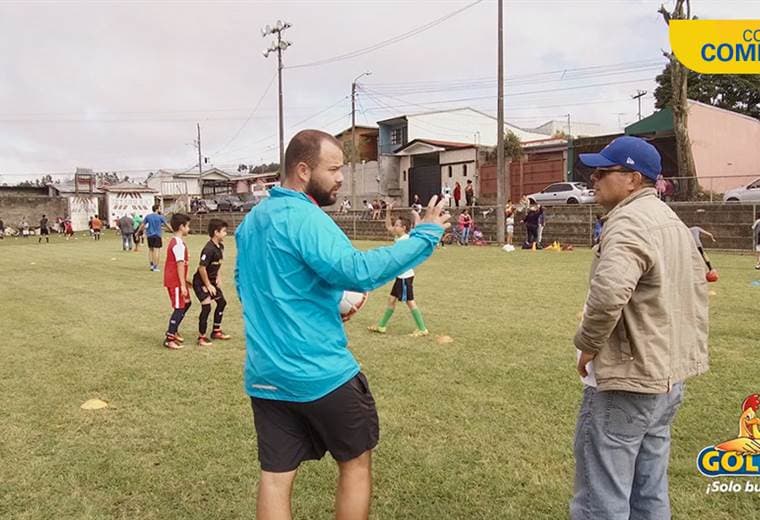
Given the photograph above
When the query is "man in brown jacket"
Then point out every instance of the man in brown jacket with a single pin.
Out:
(644, 332)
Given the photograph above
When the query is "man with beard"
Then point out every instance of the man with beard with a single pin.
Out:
(307, 392)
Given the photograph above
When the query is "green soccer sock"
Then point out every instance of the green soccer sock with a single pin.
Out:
(386, 317)
(417, 315)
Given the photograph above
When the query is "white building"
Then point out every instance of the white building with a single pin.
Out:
(428, 152)
(126, 198)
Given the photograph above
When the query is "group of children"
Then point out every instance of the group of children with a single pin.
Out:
(206, 282)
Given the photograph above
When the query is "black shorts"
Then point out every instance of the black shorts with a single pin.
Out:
(44, 231)
(403, 289)
(344, 422)
(155, 242)
(202, 293)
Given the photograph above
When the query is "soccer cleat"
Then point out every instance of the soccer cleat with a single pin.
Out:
(378, 329)
(418, 333)
(219, 334)
(172, 344)
(204, 342)
(757, 266)
(179, 338)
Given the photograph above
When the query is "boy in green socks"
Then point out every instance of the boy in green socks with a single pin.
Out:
(403, 287)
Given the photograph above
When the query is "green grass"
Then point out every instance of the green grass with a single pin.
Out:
(479, 428)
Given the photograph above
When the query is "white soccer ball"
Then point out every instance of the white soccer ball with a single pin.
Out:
(351, 303)
(508, 248)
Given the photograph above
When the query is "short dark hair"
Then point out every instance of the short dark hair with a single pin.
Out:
(469, 181)
(155, 208)
(214, 225)
(178, 220)
(405, 222)
(305, 147)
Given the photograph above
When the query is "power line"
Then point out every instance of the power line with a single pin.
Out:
(410, 89)
(599, 68)
(525, 93)
(248, 119)
(390, 41)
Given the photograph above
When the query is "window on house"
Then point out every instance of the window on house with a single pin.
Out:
(450, 172)
(404, 175)
(398, 135)
(464, 170)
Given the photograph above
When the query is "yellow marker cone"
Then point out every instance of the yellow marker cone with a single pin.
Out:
(93, 404)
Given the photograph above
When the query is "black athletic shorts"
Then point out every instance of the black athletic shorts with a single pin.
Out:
(154, 242)
(44, 231)
(403, 289)
(344, 422)
(202, 293)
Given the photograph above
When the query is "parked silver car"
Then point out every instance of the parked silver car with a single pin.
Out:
(209, 204)
(748, 193)
(564, 193)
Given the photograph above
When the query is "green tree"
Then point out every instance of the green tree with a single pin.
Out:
(737, 92)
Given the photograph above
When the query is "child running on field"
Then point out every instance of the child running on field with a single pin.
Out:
(403, 287)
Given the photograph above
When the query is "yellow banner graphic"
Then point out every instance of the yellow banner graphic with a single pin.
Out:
(717, 46)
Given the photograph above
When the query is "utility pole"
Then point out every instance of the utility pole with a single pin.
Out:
(278, 45)
(639, 94)
(200, 162)
(502, 177)
(353, 138)
(569, 130)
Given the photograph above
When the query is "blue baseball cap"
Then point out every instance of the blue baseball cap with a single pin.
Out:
(629, 152)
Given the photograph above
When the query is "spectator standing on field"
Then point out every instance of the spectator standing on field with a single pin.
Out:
(97, 226)
(469, 193)
(127, 229)
(44, 230)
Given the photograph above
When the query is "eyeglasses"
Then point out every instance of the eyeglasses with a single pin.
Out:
(601, 173)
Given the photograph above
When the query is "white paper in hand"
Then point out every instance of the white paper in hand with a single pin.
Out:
(590, 379)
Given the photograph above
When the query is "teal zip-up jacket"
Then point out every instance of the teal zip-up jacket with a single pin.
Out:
(293, 264)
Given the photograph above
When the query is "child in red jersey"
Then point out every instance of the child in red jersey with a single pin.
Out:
(175, 278)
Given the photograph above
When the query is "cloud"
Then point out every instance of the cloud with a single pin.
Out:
(121, 86)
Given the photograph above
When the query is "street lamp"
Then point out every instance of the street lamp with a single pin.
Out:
(278, 46)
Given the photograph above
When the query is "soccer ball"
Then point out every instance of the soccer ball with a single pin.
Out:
(351, 303)
(508, 248)
(712, 276)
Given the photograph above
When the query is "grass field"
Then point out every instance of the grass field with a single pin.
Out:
(479, 428)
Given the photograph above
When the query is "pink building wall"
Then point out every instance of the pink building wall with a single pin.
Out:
(724, 144)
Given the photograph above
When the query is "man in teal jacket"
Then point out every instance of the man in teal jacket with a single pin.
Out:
(293, 264)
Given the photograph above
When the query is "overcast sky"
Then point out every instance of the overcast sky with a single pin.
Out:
(121, 85)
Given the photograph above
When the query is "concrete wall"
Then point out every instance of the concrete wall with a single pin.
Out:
(14, 209)
(724, 144)
(571, 224)
(367, 186)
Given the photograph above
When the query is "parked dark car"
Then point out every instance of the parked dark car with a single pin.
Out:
(229, 203)
(249, 204)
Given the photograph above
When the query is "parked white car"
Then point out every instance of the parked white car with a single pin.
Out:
(564, 193)
(748, 193)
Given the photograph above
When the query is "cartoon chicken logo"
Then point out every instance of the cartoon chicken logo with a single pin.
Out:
(749, 429)
(739, 456)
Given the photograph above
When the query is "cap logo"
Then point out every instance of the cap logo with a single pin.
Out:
(630, 161)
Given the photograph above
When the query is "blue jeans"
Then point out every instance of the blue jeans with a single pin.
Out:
(126, 241)
(465, 235)
(622, 449)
